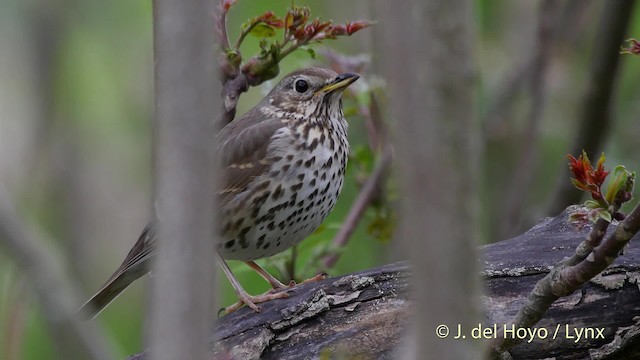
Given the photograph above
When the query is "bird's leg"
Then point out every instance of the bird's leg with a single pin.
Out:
(316, 278)
(275, 283)
(244, 297)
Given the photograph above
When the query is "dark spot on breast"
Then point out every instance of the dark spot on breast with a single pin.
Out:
(324, 176)
(243, 242)
(322, 138)
(298, 163)
(313, 194)
(301, 176)
(286, 167)
(328, 163)
(310, 162)
(245, 230)
(263, 185)
(260, 241)
(300, 203)
(312, 182)
(296, 187)
(278, 192)
(229, 244)
(266, 246)
(274, 173)
(289, 157)
(271, 226)
(313, 145)
(276, 158)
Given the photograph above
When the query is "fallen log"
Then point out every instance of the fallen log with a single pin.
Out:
(364, 314)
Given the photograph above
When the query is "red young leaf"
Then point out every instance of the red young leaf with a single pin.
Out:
(270, 19)
(358, 25)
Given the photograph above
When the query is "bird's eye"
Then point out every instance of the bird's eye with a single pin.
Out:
(301, 86)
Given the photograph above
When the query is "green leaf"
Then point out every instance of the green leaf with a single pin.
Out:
(309, 50)
(618, 182)
(263, 31)
(605, 215)
(591, 204)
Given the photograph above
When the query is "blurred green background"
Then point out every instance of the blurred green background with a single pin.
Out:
(76, 105)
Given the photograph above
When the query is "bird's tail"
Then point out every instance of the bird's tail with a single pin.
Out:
(133, 267)
(109, 291)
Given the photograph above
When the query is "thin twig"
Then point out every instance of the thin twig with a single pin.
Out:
(221, 27)
(564, 279)
(523, 173)
(366, 195)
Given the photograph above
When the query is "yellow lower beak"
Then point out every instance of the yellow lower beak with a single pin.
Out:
(340, 82)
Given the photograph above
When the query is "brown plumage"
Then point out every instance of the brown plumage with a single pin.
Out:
(283, 168)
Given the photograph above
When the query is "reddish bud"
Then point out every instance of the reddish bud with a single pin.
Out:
(227, 4)
(296, 17)
(587, 178)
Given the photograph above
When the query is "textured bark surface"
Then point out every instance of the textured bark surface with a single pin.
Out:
(365, 313)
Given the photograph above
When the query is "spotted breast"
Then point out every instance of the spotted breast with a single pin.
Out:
(306, 160)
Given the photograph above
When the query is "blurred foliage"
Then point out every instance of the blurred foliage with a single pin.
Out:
(77, 100)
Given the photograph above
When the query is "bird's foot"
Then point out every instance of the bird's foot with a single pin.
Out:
(316, 278)
(251, 300)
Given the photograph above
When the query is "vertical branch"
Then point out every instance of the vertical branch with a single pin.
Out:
(430, 78)
(523, 172)
(186, 105)
(595, 115)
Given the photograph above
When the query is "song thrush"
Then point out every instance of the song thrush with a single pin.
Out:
(284, 164)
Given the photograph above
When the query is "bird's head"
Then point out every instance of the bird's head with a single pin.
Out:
(310, 91)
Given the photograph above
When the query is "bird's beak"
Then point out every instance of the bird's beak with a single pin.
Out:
(340, 82)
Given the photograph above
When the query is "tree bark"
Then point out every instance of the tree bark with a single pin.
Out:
(366, 314)
(187, 101)
(425, 50)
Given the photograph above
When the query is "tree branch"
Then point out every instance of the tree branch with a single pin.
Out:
(186, 168)
(565, 278)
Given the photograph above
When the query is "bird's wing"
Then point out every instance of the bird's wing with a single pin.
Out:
(243, 146)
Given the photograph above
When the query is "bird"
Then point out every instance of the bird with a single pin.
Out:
(284, 165)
